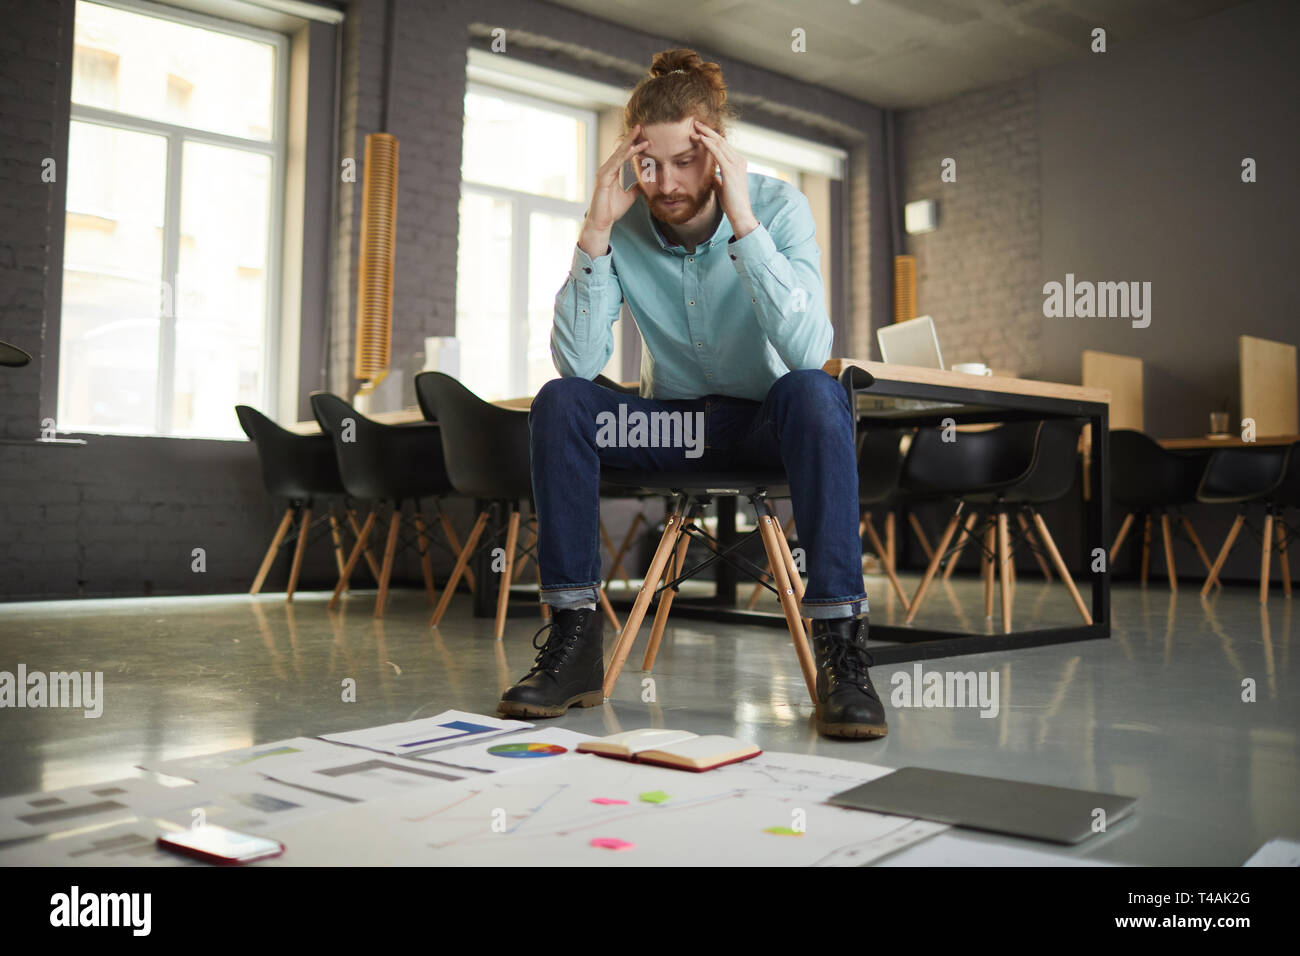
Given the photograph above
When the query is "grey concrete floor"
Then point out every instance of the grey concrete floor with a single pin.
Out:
(1155, 712)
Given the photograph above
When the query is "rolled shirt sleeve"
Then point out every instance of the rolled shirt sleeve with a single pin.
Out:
(779, 265)
(586, 308)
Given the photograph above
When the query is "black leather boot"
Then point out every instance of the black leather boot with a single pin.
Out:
(847, 704)
(569, 671)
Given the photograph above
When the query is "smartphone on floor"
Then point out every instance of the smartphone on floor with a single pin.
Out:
(215, 844)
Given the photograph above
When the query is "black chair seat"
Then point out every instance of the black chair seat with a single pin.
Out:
(1144, 476)
(1018, 463)
(381, 461)
(698, 483)
(293, 465)
(487, 446)
(1239, 475)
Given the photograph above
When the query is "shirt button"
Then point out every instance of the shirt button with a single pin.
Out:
(586, 269)
(691, 259)
(699, 345)
(733, 258)
(692, 301)
(751, 300)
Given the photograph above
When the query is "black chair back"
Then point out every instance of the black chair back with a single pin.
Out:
(1143, 475)
(379, 461)
(880, 465)
(293, 465)
(1245, 474)
(487, 448)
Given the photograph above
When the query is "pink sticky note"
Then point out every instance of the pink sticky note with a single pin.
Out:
(605, 801)
(612, 843)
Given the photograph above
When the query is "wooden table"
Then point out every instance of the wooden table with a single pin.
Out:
(1205, 443)
(904, 396)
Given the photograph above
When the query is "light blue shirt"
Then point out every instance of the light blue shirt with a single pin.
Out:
(729, 318)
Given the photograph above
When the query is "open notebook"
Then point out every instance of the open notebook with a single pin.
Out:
(679, 749)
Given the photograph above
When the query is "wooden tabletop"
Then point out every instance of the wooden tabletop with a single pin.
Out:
(409, 416)
(885, 372)
(1232, 441)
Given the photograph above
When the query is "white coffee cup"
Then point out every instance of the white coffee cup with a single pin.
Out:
(972, 368)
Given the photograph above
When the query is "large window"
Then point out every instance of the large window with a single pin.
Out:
(170, 265)
(526, 177)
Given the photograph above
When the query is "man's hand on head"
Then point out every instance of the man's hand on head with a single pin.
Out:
(731, 182)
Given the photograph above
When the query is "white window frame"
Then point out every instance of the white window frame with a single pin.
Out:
(523, 204)
(176, 137)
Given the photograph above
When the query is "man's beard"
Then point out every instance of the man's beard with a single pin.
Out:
(684, 212)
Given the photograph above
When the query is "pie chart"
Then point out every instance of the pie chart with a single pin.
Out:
(527, 750)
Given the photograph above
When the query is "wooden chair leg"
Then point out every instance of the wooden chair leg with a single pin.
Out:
(891, 539)
(889, 570)
(1046, 537)
(1170, 568)
(961, 545)
(987, 566)
(755, 594)
(300, 548)
(673, 568)
(1031, 542)
(503, 590)
(523, 550)
(370, 558)
(363, 535)
(1119, 538)
(935, 555)
(336, 533)
(1196, 542)
(271, 552)
(454, 541)
(796, 578)
(769, 530)
(462, 562)
(606, 607)
(915, 522)
(1283, 562)
(426, 563)
(1213, 576)
(390, 548)
(1146, 548)
(1266, 552)
(622, 550)
(626, 637)
(1004, 570)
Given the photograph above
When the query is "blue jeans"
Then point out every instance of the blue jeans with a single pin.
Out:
(804, 422)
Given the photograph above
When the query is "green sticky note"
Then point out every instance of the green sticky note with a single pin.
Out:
(783, 831)
(655, 796)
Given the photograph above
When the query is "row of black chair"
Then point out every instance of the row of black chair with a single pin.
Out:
(466, 447)
(1148, 481)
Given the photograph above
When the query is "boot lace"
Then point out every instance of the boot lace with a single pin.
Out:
(554, 651)
(849, 661)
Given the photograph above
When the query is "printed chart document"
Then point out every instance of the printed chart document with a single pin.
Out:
(356, 776)
(206, 766)
(592, 812)
(518, 751)
(74, 807)
(121, 844)
(415, 736)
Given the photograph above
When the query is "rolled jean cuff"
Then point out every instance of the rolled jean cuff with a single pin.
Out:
(828, 610)
(562, 598)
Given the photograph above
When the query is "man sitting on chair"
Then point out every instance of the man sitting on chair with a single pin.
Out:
(721, 271)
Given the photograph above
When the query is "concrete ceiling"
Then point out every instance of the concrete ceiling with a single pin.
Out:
(900, 53)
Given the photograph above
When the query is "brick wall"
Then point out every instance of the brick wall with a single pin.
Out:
(978, 273)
